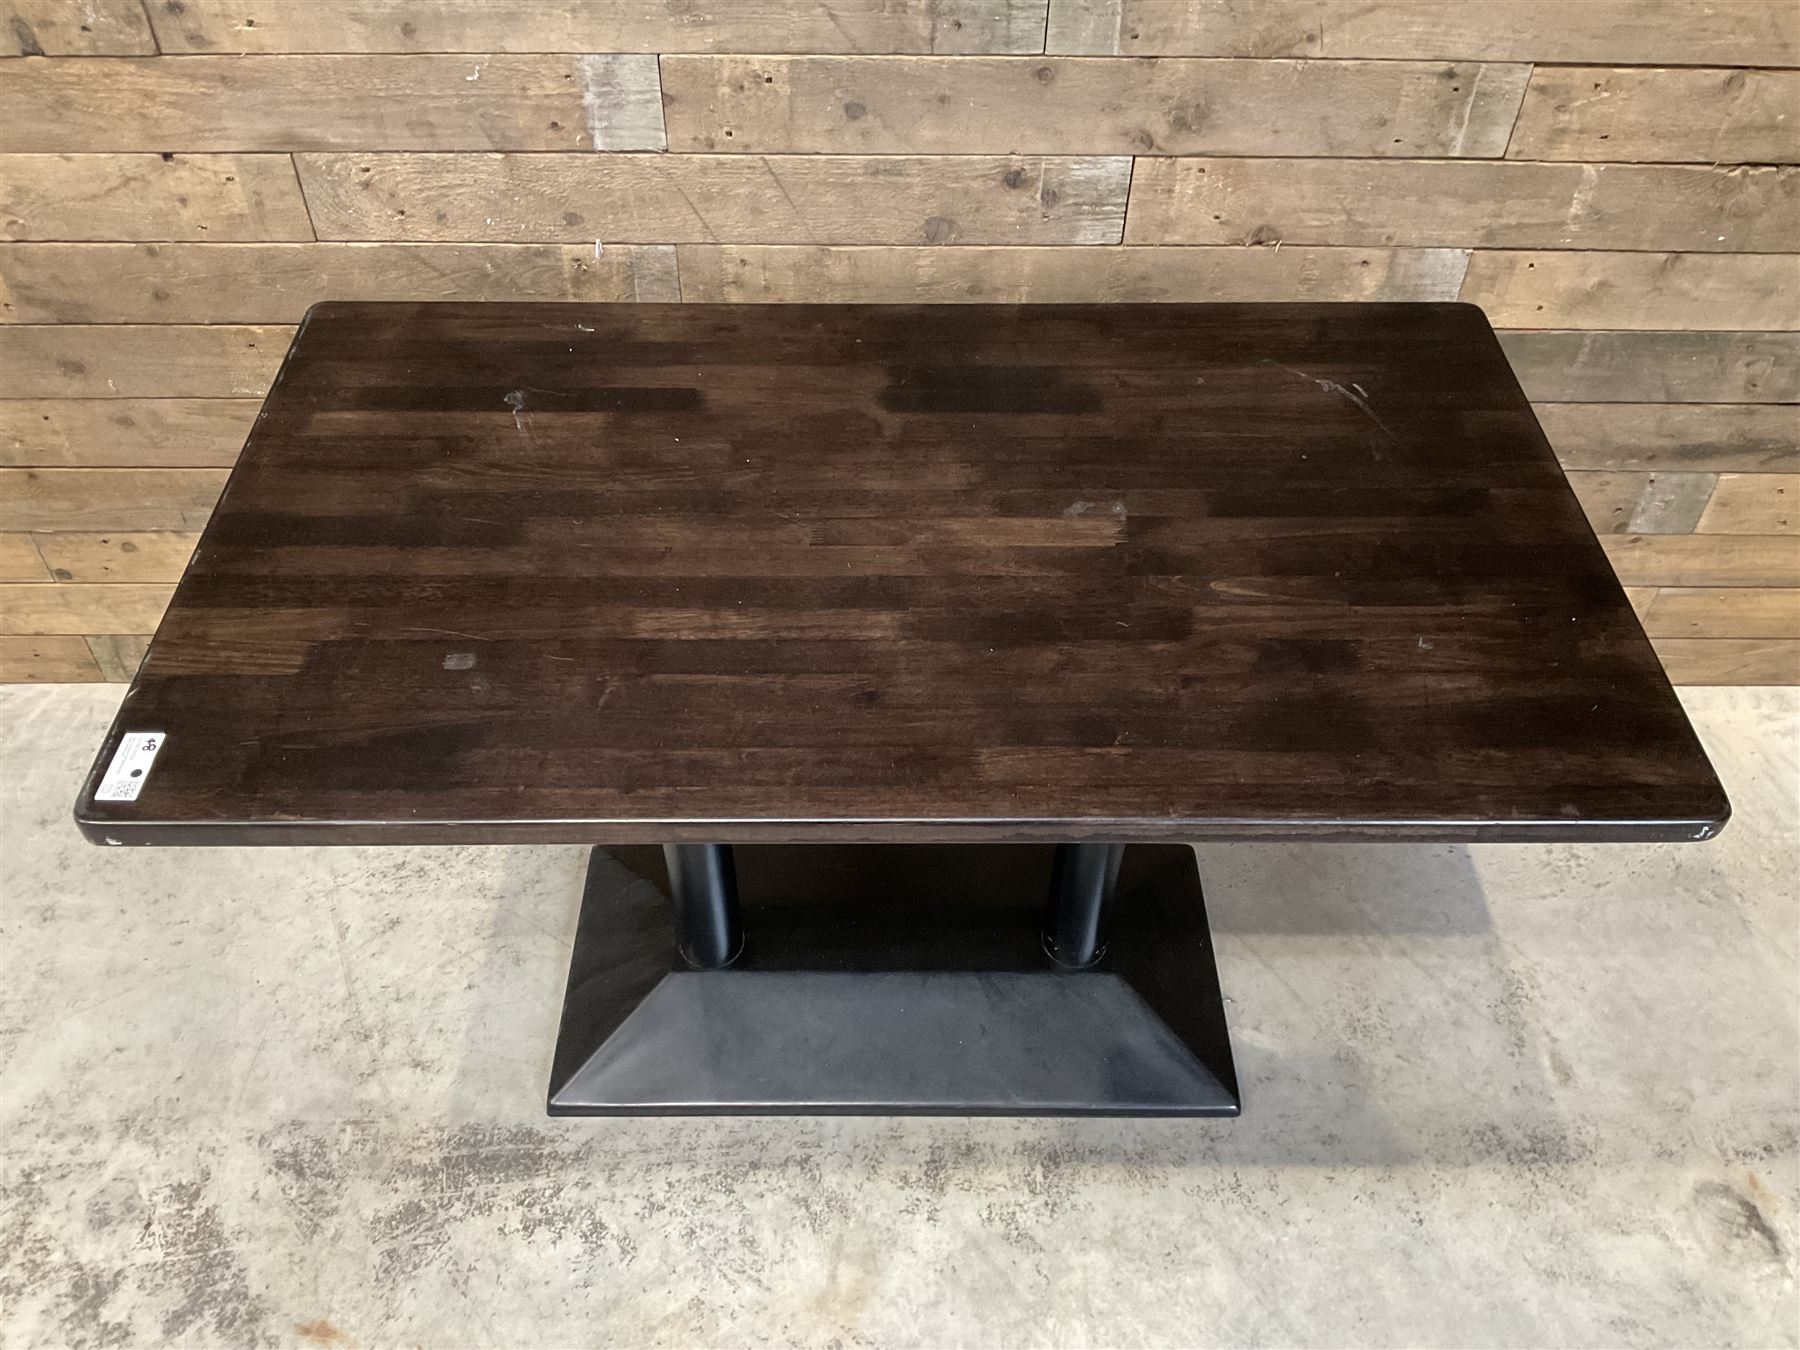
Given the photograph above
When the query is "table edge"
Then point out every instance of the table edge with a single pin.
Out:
(277, 833)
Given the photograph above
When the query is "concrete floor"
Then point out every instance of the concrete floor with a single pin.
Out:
(1501, 1095)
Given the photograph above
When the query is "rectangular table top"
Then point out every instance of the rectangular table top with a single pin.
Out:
(648, 573)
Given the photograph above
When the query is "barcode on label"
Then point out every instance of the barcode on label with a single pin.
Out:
(130, 767)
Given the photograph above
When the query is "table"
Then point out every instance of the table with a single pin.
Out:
(892, 658)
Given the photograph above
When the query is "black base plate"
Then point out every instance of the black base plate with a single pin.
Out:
(894, 980)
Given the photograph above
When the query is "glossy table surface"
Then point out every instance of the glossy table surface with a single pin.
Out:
(890, 573)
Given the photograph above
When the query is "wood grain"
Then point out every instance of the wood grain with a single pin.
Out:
(107, 499)
(1724, 612)
(227, 103)
(1754, 503)
(59, 28)
(1052, 106)
(1460, 204)
(1729, 661)
(1647, 32)
(1636, 290)
(188, 433)
(1628, 367)
(138, 361)
(1717, 437)
(1700, 437)
(19, 560)
(213, 197)
(960, 199)
(274, 283)
(617, 26)
(903, 572)
(46, 660)
(117, 556)
(1642, 503)
(40, 611)
(1705, 116)
(1705, 559)
(750, 272)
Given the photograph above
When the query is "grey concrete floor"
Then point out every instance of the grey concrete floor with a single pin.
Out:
(1499, 1095)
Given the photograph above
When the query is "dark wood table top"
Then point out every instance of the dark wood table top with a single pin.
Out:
(1129, 572)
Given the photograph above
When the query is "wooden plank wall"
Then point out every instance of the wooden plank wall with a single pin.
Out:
(1614, 181)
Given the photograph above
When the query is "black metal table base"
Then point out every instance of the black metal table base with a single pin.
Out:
(894, 980)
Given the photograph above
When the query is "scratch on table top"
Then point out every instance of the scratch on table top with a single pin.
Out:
(1355, 393)
(1082, 508)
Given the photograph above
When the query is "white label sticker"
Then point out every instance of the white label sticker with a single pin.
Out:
(130, 767)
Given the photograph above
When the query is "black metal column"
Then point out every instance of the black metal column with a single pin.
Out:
(703, 881)
(1081, 882)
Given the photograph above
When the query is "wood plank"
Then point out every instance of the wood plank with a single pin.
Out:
(179, 433)
(622, 97)
(1642, 503)
(1636, 290)
(139, 361)
(490, 102)
(1060, 106)
(107, 499)
(1729, 661)
(1753, 503)
(1624, 32)
(118, 556)
(690, 199)
(1608, 498)
(119, 655)
(46, 660)
(1606, 367)
(1723, 612)
(998, 26)
(1701, 437)
(37, 611)
(1704, 559)
(222, 198)
(59, 28)
(1463, 204)
(274, 283)
(752, 272)
(19, 560)
(1593, 113)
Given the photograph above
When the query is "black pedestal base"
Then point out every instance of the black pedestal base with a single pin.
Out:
(890, 980)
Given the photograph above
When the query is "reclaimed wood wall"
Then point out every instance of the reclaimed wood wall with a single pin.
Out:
(1611, 180)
